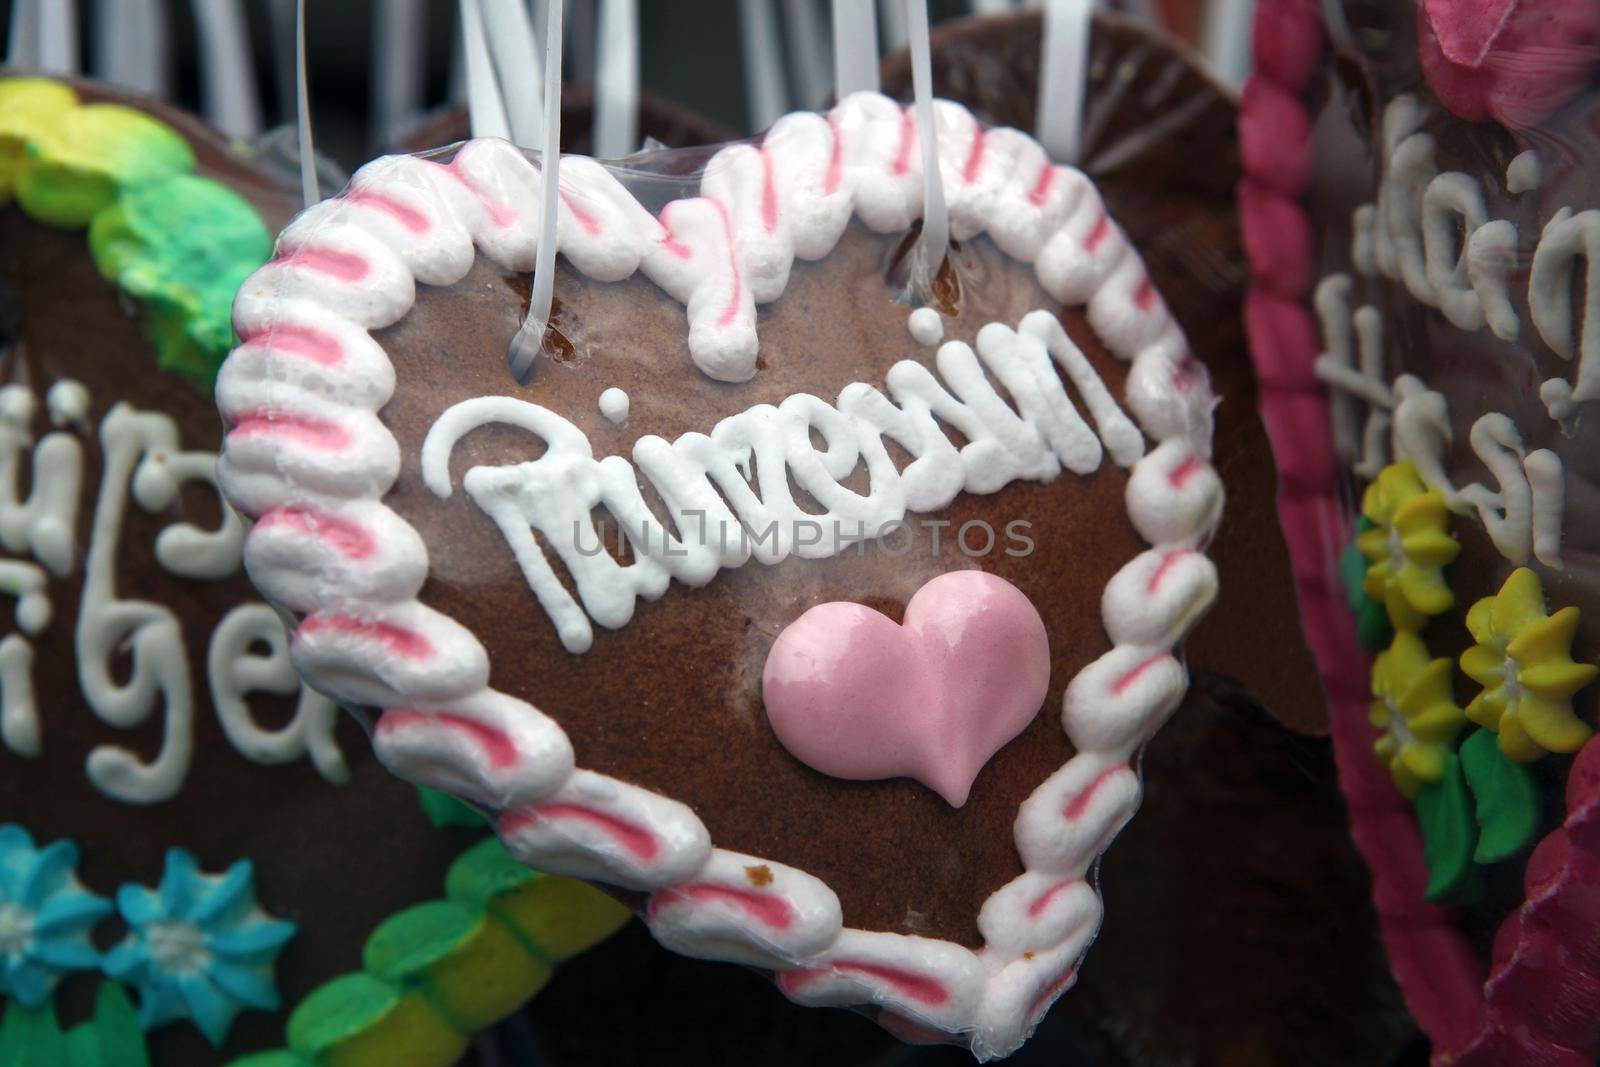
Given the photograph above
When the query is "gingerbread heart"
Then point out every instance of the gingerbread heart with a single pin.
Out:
(192, 843)
(564, 615)
(1432, 392)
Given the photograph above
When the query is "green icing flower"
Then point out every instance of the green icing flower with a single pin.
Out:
(183, 247)
(77, 164)
(1523, 660)
(1412, 704)
(1408, 545)
(178, 243)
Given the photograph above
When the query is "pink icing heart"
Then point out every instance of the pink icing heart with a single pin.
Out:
(852, 694)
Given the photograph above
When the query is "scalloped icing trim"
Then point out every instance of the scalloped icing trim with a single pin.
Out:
(303, 392)
(1472, 1021)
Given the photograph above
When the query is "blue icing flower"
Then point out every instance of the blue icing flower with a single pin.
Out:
(198, 947)
(46, 916)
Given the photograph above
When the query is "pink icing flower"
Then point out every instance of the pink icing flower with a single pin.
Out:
(1515, 61)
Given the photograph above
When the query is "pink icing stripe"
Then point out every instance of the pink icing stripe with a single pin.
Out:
(1037, 908)
(915, 987)
(835, 161)
(1049, 993)
(635, 839)
(1184, 471)
(1041, 188)
(969, 173)
(1122, 684)
(770, 910)
(908, 138)
(318, 433)
(590, 224)
(293, 339)
(1145, 296)
(1168, 561)
(345, 266)
(496, 744)
(1081, 800)
(769, 194)
(397, 639)
(500, 214)
(349, 538)
(730, 312)
(1101, 230)
(407, 216)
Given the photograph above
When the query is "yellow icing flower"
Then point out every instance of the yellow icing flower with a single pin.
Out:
(1523, 660)
(1408, 546)
(1414, 707)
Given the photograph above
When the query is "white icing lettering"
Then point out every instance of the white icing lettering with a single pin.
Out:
(141, 458)
(719, 519)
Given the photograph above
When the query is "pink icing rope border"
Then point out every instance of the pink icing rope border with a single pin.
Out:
(1537, 1004)
(442, 725)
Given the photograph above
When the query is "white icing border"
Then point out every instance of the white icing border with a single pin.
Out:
(308, 455)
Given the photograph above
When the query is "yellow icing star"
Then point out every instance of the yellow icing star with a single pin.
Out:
(1523, 660)
(1414, 707)
(1409, 545)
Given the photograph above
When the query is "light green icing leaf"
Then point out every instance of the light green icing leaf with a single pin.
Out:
(1449, 833)
(415, 939)
(337, 1010)
(183, 247)
(281, 1057)
(31, 1037)
(485, 871)
(1506, 795)
(443, 810)
(1373, 630)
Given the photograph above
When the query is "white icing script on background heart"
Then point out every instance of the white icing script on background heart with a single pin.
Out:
(141, 458)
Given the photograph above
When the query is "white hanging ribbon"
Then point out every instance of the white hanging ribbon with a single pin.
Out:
(302, 111)
(935, 219)
(1064, 78)
(808, 50)
(855, 47)
(529, 339)
(130, 44)
(894, 25)
(515, 51)
(227, 68)
(767, 97)
(399, 58)
(583, 31)
(22, 38)
(48, 31)
(486, 111)
(616, 84)
(1225, 39)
